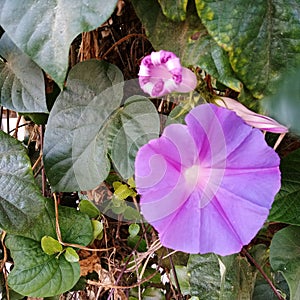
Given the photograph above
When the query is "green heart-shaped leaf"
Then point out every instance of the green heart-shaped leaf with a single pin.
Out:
(229, 277)
(262, 38)
(286, 207)
(45, 30)
(75, 151)
(285, 257)
(130, 128)
(134, 229)
(38, 274)
(22, 86)
(21, 201)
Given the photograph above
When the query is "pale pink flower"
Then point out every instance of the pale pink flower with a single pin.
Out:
(161, 73)
(253, 119)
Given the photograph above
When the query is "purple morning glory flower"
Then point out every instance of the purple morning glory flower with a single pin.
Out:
(207, 186)
(161, 73)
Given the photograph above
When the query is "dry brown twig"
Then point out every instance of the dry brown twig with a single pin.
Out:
(111, 286)
(58, 233)
(125, 38)
(145, 255)
(3, 262)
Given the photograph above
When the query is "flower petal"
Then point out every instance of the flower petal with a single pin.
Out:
(231, 223)
(253, 119)
(188, 83)
(158, 171)
(202, 231)
(214, 133)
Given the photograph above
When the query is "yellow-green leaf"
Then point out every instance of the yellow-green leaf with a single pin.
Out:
(97, 228)
(89, 208)
(71, 255)
(50, 245)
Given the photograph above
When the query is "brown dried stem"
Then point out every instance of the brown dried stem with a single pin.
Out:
(58, 233)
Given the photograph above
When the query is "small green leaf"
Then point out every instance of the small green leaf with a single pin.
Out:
(134, 229)
(50, 245)
(286, 207)
(131, 127)
(22, 86)
(71, 255)
(116, 184)
(75, 149)
(285, 257)
(131, 213)
(124, 191)
(97, 228)
(119, 208)
(45, 30)
(36, 118)
(89, 208)
(131, 182)
(117, 202)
